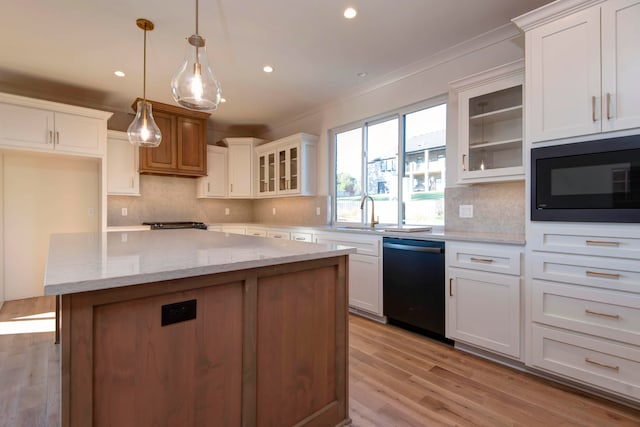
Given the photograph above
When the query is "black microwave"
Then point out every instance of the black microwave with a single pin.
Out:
(594, 181)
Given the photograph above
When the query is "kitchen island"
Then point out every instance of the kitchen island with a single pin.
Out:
(197, 328)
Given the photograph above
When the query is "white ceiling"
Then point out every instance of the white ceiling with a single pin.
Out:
(69, 49)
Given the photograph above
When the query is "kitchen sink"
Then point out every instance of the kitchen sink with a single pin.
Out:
(358, 228)
(402, 229)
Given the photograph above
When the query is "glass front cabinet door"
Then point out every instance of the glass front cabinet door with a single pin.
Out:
(490, 131)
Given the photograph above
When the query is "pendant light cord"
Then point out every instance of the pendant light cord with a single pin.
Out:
(144, 67)
(197, 18)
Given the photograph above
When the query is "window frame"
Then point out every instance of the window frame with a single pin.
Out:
(363, 124)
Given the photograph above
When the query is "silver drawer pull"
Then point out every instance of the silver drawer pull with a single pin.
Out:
(602, 365)
(300, 238)
(482, 260)
(605, 275)
(595, 313)
(602, 243)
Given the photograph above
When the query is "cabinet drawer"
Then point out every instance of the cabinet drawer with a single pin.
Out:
(622, 242)
(301, 237)
(607, 273)
(614, 367)
(285, 235)
(613, 315)
(363, 245)
(260, 232)
(484, 258)
(234, 229)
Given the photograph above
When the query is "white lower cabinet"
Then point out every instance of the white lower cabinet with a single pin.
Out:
(365, 269)
(483, 296)
(585, 304)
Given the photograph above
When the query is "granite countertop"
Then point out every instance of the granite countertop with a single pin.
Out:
(81, 262)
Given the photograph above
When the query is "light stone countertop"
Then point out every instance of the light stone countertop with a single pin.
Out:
(81, 262)
(436, 234)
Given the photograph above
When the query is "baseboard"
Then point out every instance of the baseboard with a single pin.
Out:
(366, 314)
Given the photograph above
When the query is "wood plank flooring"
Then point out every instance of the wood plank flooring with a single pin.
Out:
(396, 378)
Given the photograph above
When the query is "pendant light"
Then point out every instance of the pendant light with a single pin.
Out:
(194, 86)
(143, 130)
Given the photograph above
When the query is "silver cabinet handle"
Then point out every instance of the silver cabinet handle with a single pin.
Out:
(482, 260)
(608, 106)
(57, 138)
(602, 243)
(450, 286)
(593, 108)
(596, 313)
(602, 365)
(604, 275)
(208, 187)
(300, 239)
(50, 137)
(463, 166)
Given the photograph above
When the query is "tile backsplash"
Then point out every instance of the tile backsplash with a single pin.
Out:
(497, 208)
(168, 198)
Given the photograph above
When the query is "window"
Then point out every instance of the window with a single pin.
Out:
(397, 159)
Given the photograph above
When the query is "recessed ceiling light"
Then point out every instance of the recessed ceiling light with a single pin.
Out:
(350, 13)
(119, 73)
(268, 69)
(362, 74)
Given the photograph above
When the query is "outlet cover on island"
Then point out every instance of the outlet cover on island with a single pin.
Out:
(318, 210)
(125, 212)
(274, 211)
(226, 211)
(466, 211)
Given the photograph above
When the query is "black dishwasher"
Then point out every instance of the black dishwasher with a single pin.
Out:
(414, 285)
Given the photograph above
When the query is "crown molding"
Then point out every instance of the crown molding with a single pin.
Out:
(552, 11)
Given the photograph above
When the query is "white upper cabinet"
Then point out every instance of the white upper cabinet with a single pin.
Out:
(215, 183)
(241, 164)
(287, 166)
(123, 178)
(490, 130)
(620, 64)
(32, 124)
(582, 68)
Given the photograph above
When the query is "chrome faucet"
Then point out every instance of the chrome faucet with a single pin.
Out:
(362, 202)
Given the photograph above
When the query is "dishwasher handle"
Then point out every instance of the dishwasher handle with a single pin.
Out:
(412, 248)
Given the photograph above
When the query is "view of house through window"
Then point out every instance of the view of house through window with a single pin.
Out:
(399, 161)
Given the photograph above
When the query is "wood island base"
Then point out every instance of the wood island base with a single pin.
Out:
(267, 347)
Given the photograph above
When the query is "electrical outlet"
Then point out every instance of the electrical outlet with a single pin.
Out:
(466, 211)
(124, 237)
(318, 210)
(226, 211)
(273, 212)
(91, 211)
(124, 212)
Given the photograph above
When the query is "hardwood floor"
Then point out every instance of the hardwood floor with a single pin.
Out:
(396, 378)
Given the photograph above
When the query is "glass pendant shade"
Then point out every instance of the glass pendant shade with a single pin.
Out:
(143, 130)
(194, 86)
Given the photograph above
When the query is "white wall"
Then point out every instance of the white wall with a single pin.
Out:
(1, 231)
(420, 82)
(43, 194)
